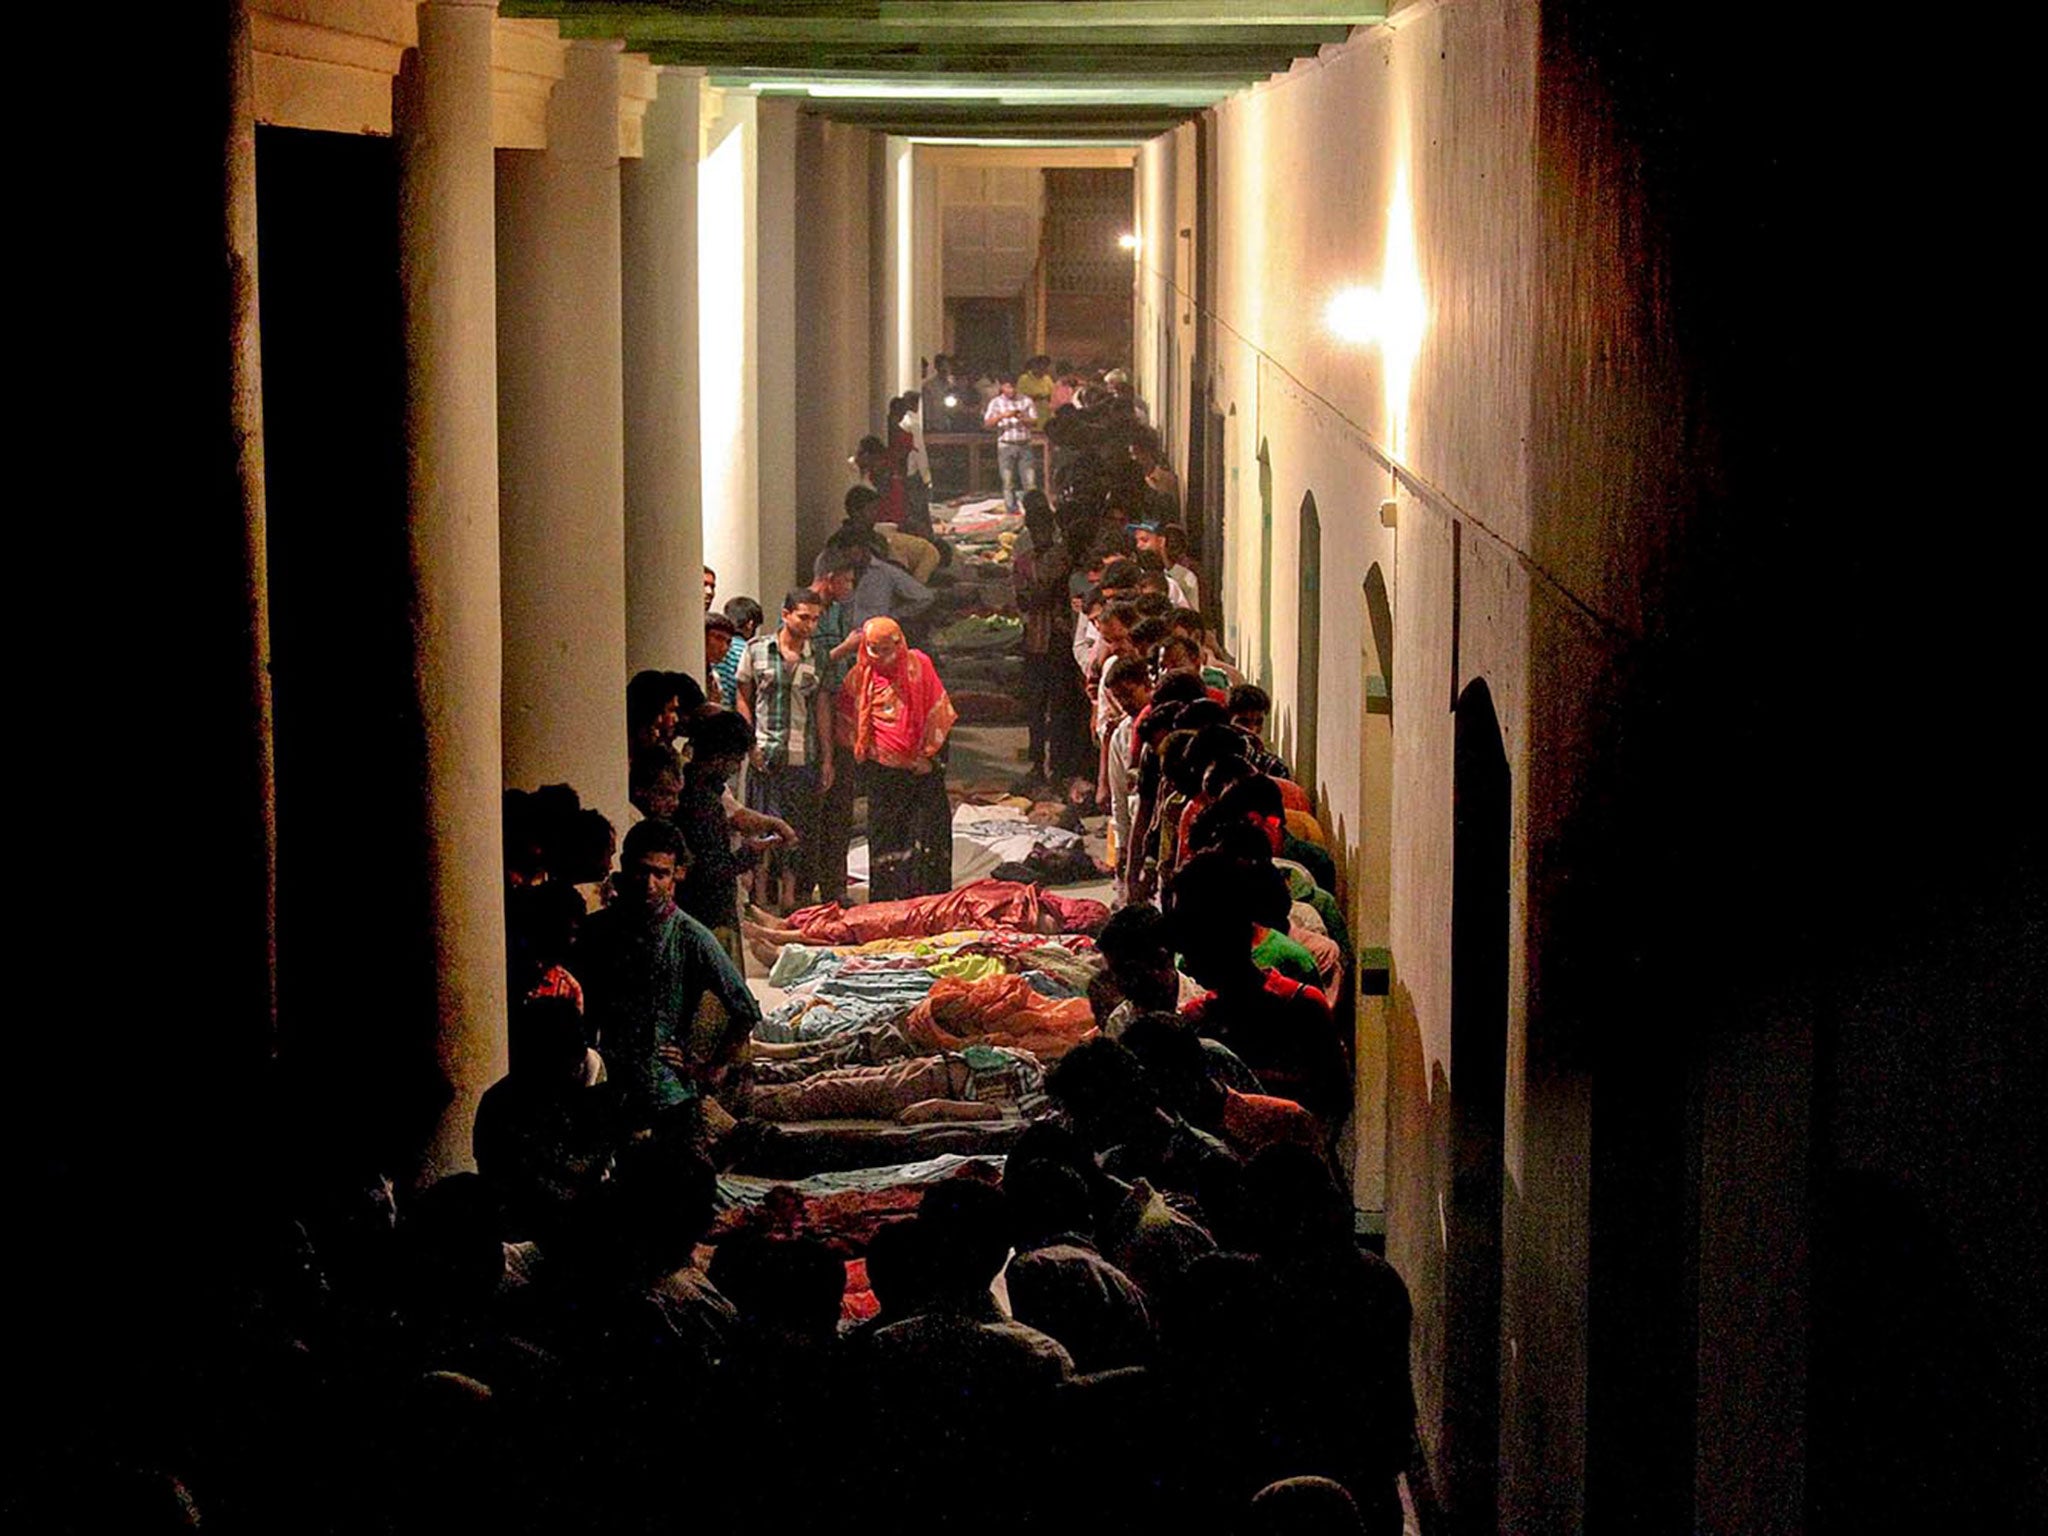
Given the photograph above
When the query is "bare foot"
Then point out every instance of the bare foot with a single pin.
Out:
(760, 944)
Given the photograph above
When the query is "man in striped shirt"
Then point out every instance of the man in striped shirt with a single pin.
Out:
(1011, 416)
(778, 691)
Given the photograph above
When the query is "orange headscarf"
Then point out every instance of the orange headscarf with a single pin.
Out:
(901, 712)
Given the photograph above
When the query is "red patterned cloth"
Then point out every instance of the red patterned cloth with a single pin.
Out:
(1000, 904)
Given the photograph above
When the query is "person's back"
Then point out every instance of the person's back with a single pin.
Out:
(1285, 1033)
(1060, 1283)
(546, 1132)
(1275, 950)
(1185, 1161)
(1345, 1335)
(916, 554)
(886, 590)
(961, 1397)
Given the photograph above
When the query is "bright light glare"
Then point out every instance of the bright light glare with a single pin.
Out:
(1405, 310)
(1127, 242)
(1392, 316)
(1354, 315)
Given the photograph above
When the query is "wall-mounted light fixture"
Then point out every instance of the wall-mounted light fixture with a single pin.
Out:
(1128, 242)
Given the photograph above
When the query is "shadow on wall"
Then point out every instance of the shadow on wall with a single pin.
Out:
(1481, 812)
(1265, 673)
(1379, 615)
(1418, 1137)
(1308, 654)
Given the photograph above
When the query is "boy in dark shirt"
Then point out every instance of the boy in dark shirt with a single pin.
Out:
(719, 742)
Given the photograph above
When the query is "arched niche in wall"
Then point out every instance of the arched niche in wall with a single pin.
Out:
(1265, 567)
(1308, 652)
(1480, 819)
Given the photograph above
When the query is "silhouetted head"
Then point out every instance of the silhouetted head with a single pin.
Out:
(549, 1037)
(1175, 1064)
(1104, 1091)
(791, 1286)
(1292, 1203)
(965, 1230)
(1303, 1506)
(720, 740)
(896, 1269)
(1046, 1199)
(1136, 945)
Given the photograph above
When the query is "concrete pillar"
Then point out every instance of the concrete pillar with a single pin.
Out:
(561, 454)
(245, 388)
(882, 274)
(833, 354)
(664, 464)
(447, 266)
(775, 342)
(901, 299)
(727, 357)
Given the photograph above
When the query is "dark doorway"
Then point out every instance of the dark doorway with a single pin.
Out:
(987, 333)
(347, 737)
(1308, 665)
(1481, 801)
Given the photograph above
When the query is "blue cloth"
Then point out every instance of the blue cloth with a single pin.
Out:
(838, 1002)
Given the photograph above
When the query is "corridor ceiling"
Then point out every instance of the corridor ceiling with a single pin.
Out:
(1024, 69)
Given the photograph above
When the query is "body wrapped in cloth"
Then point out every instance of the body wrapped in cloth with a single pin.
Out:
(999, 1010)
(980, 904)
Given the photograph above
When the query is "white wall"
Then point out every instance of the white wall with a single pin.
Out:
(1405, 162)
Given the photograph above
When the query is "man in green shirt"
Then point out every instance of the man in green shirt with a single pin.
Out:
(645, 966)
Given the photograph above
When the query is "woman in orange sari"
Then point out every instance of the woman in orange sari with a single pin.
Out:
(901, 719)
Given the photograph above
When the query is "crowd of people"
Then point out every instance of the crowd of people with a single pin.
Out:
(1155, 1312)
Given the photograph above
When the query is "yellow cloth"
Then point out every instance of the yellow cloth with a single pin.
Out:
(1039, 387)
(967, 967)
(918, 556)
(1307, 828)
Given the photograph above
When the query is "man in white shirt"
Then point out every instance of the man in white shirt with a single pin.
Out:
(1129, 681)
(1011, 417)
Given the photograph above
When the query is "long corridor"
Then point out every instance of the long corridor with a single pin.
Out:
(1596, 433)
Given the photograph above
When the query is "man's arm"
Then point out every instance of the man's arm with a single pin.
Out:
(706, 960)
(743, 694)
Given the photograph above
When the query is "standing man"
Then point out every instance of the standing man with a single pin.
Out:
(834, 642)
(1037, 381)
(645, 966)
(1012, 416)
(777, 689)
